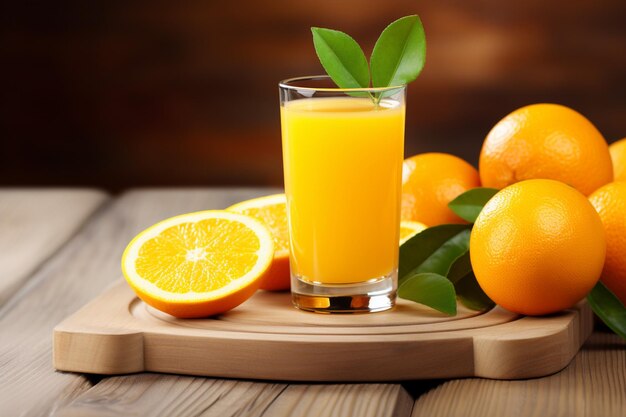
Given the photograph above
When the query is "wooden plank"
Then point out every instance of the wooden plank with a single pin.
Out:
(344, 400)
(34, 224)
(78, 272)
(169, 395)
(594, 384)
(156, 395)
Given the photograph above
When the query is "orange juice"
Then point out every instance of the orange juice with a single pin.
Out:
(343, 166)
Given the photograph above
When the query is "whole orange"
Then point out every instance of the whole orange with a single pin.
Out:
(610, 202)
(537, 247)
(545, 141)
(618, 156)
(429, 182)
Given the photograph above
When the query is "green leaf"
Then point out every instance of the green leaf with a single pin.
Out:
(399, 54)
(609, 308)
(440, 261)
(469, 204)
(342, 58)
(432, 290)
(433, 250)
(471, 295)
(466, 286)
(460, 268)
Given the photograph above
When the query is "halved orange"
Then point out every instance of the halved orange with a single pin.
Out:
(199, 264)
(271, 210)
(409, 228)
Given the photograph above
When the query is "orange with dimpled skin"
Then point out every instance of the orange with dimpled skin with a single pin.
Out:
(610, 202)
(537, 247)
(545, 141)
(429, 182)
(618, 156)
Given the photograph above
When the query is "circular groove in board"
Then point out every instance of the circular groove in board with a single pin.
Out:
(272, 313)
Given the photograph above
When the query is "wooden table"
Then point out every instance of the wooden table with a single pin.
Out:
(60, 248)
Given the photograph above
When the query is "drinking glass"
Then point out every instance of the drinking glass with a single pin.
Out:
(342, 155)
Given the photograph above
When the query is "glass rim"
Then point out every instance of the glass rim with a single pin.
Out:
(286, 85)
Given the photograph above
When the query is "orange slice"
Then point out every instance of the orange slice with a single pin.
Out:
(408, 229)
(198, 264)
(272, 211)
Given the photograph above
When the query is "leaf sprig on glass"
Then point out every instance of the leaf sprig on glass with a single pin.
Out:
(435, 268)
(397, 59)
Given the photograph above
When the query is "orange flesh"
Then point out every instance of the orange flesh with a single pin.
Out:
(198, 257)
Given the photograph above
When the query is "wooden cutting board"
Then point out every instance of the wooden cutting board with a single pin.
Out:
(266, 338)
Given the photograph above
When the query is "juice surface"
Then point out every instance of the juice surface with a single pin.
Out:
(343, 167)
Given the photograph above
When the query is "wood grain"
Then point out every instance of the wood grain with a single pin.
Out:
(116, 333)
(165, 395)
(34, 224)
(366, 400)
(80, 270)
(594, 384)
(161, 395)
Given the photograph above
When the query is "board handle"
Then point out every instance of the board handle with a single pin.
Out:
(531, 346)
(105, 354)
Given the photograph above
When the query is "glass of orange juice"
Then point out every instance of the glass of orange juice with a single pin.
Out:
(342, 156)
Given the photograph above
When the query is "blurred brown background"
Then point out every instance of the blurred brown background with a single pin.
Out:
(119, 94)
